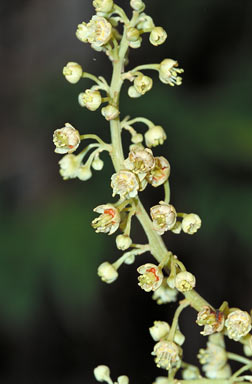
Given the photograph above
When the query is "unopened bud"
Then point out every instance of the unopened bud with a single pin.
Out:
(159, 330)
(123, 379)
(72, 72)
(145, 22)
(191, 223)
(238, 324)
(136, 44)
(155, 136)
(102, 373)
(158, 36)
(103, 5)
(137, 138)
(132, 34)
(107, 272)
(97, 164)
(84, 173)
(123, 242)
(137, 5)
(110, 112)
(185, 281)
(132, 92)
(143, 84)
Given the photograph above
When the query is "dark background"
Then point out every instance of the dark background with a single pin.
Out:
(57, 320)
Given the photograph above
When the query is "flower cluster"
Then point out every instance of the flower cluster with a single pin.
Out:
(102, 373)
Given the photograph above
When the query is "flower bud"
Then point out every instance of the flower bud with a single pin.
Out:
(84, 173)
(132, 92)
(123, 380)
(191, 223)
(177, 228)
(72, 72)
(69, 165)
(168, 354)
(132, 34)
(163, 216)
(90, 99)
(123, 242)
(155, 136)
(140, 161)
(145, 22)
(66, 139)
(158, 36)
(168, 72)
(247, 350)
(151, 277)
(102, 373)
(107, 272)
(185, 281)
(137, 138)
(238, 324)
(137, 5)
(213, 321)
(108, 221)
(162, 380)
(110, 112)
(97, 164)
(104, 6)
(136, 44)
(191, 373)
(179, 338)
(159, 330)
(82, 32)
(143, 84)
(160, 173)
(125, 184)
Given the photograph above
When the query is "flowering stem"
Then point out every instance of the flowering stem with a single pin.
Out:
(241, 359)
(182, 306)
(154, 67)
(140, 120)
(101, 84)
(167, 192)
(241, 370)
(95, 137)
(133, 252)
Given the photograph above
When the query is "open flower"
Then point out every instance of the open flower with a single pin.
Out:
(108, 221)
(163, 216)
(168, 354)
(140, 161)
(72, 72)
(66, 139)
(91, 99)
(185, 281)
(69, 166)
(143, 84)
(160, 173)
(151, 277)
(168, 72)
(125, 184)
(213, 321)
(238, 324)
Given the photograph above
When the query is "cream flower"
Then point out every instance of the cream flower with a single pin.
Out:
(145, 22)
(168, 354)
(151, 277)
(102, 373)
(125, 184)
(159, 330)
(165, 294)
(97, 32)
(155, 136)
(160, 173)
(69, 166)
(140, 161)
(107, 272)
(110, 112)
(143, 84)
(213, 321)
(103, 5)
(238, 324)
(168, 72)
(158, 36)
(191, 223)
(108, 221)
(185, 281)
(90, 99)
(163, 216)
(66, 139)
(72, 72)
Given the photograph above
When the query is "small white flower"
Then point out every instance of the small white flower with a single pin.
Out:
(107, 272)
(84, 173)
(191, 223)
(66, 139)
(137, 5)
(165, 294)
(82, 32)
(185, 281)
(158, 36)
(110, 112)
(108, 221)
(140, 161)
(123, 242)
(151, 277)
(238, 324)
(159, 330)
(143, 84)
(102, 373)
(132, 92)
(155, 136)
(125, 184)
(213, 321)
(90, 99)
(103, 5)
(168, 72)
(160, 173)
(72, 72)
(69, 165)
(132, 34)
(145, 22)
(168, 354)
(163, 216)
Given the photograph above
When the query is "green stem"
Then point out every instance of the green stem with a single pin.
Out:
(154, 67)
(174, 326)
(147, 122)
(241, 359)
(167, 192)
